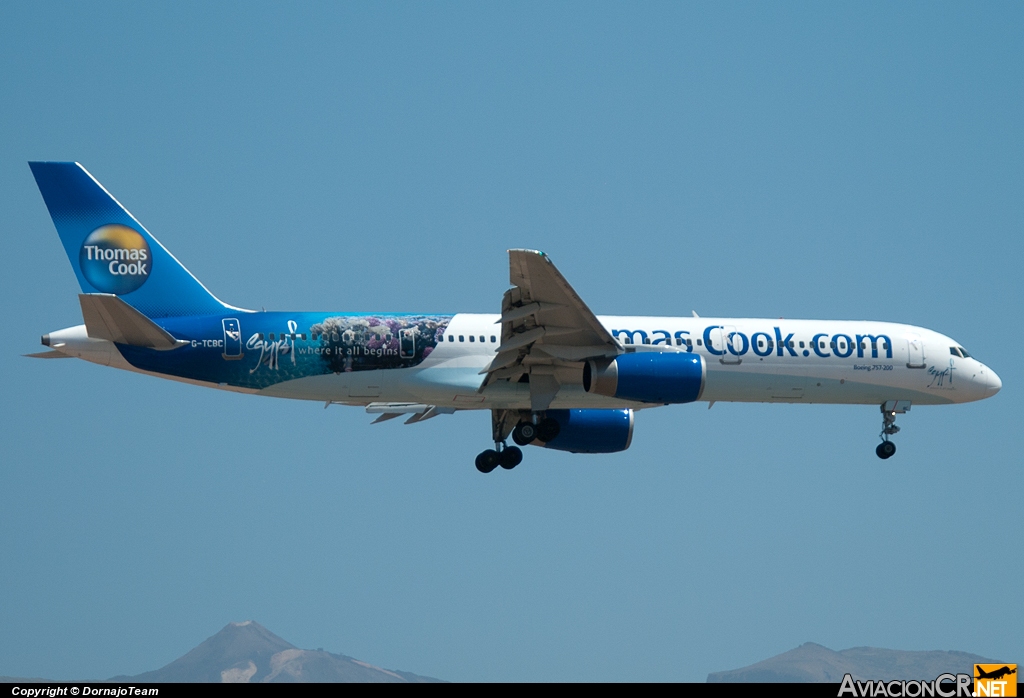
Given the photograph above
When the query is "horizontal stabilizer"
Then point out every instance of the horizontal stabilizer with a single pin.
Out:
(48, 355)
(419, 412)
(110, 318)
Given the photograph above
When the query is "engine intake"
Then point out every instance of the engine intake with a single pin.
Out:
(650, 376)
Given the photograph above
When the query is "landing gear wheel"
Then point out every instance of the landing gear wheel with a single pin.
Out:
(510, 457)
(548, 429)
(524, 433)
(885, 450)
(488, 460)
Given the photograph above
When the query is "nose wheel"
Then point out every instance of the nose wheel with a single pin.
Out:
(890, 408)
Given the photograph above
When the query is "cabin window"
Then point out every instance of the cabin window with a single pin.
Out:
(472, 338)
(833, 344)
(790, 344)
(493, 339)
(271, 336)
(760, 344)
(646, 340)
(679, 341)
(334, 336)
(303, 336)
(801, 345)
(462, 338)
(481, 338)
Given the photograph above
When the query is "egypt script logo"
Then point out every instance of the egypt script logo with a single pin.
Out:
(115, 259)
(995, 679)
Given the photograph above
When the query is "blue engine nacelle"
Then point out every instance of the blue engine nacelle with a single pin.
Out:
(591, 431)
(659, 377)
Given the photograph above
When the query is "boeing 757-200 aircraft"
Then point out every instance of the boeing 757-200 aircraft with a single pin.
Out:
(551, 372)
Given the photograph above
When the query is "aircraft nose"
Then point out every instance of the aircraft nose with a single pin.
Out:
(992, 383)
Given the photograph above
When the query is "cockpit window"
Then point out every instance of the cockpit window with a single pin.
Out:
(964, 352)
(955, 352)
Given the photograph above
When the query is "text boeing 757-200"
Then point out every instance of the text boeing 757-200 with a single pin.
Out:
(551, 372)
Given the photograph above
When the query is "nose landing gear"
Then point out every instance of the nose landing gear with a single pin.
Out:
(890, 408)
(886, 449)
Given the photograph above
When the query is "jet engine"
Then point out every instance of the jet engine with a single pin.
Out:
(659, 377)
(591, 431)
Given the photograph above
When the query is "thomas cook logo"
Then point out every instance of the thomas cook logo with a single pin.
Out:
(995, 679)
(115, 259)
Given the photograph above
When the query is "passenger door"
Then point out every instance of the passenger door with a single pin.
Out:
(726, 338)
(915, 351)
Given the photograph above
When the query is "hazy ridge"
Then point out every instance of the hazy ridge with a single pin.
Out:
(813, 663)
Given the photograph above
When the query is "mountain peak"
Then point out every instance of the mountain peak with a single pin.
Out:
(246, 652)
(236, 646)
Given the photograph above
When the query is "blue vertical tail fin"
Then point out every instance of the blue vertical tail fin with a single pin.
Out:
(111, 252)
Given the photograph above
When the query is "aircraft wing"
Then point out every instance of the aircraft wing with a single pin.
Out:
(545, 325)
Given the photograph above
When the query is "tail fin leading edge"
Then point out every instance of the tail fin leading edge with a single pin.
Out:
(111, 252)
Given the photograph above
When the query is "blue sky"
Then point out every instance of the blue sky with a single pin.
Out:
(854, 161)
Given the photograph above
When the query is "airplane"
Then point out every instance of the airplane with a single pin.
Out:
(995, 674)
(551, 372)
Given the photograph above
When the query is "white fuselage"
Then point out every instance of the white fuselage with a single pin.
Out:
(747, 360)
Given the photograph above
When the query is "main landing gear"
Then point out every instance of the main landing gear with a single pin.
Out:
(527, 432)
(527, 429)
(507, 457)
(890, 408)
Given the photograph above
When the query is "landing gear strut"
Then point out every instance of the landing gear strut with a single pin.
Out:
(508, 457)
(890, 408)
(520, 426)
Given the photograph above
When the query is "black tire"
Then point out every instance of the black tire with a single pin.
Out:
(548, 429)
(511, 457)
(886, 449)
(524, 433)
(488, 460)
